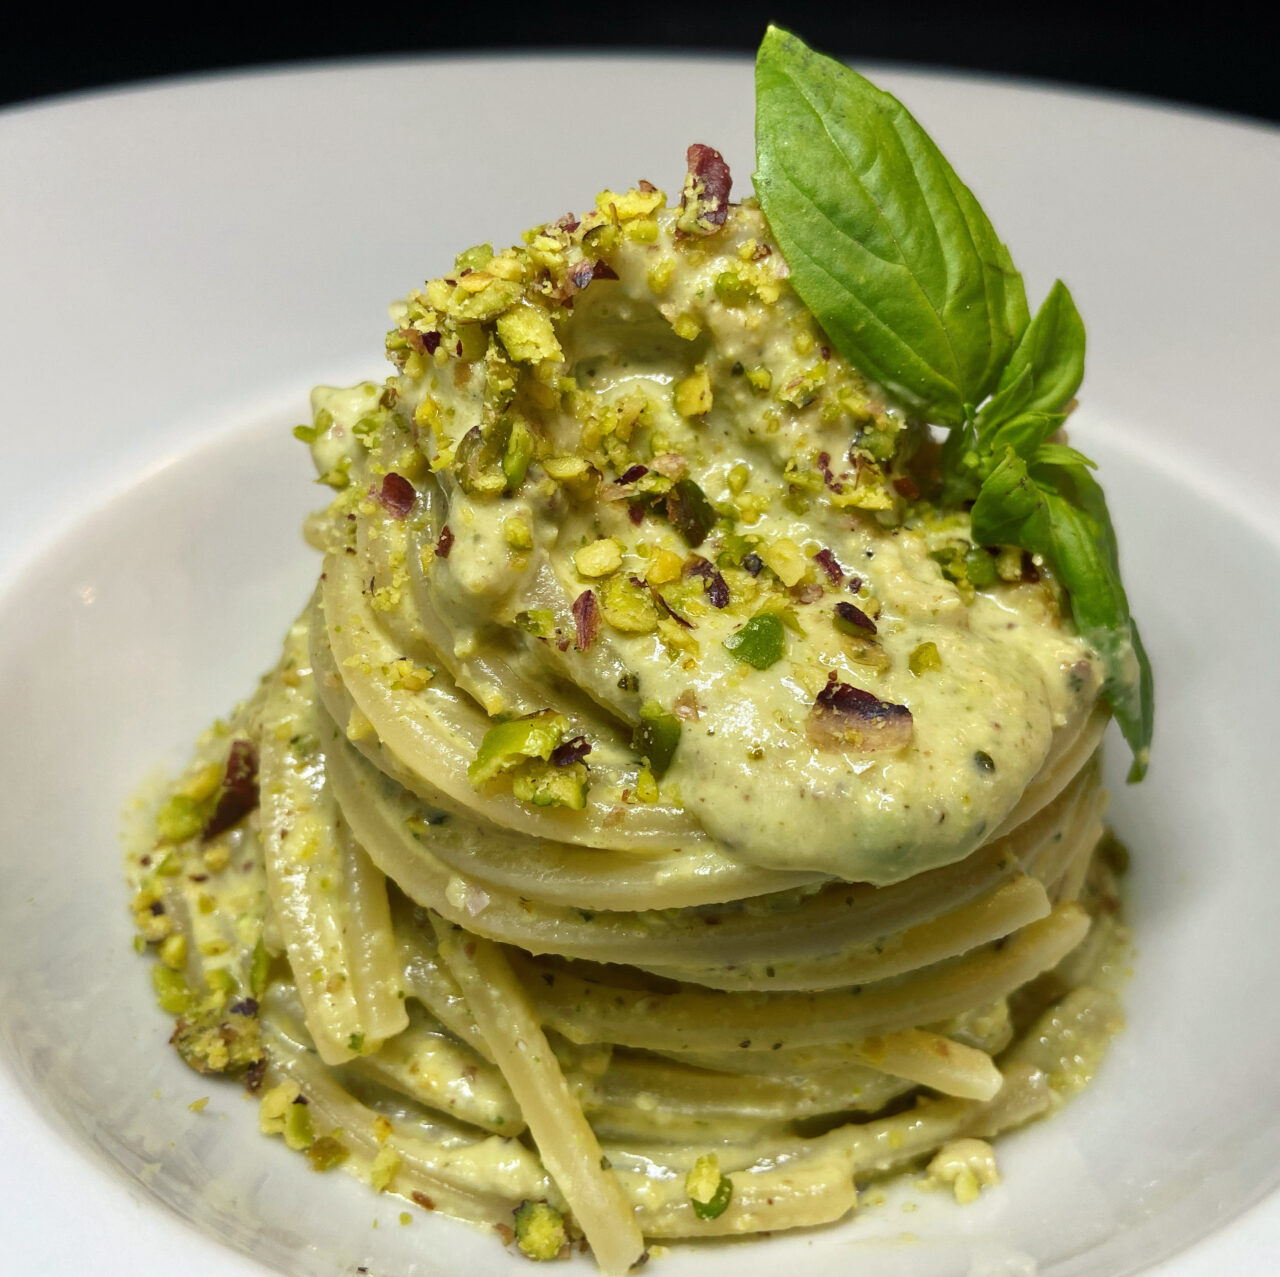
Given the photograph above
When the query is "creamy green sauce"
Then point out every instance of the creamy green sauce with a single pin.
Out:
(804, 456)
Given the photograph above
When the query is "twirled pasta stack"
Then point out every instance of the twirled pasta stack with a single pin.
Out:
(664, 811)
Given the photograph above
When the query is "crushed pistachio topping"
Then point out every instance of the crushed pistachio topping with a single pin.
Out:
(539, 1231)
(507, 746)
(967, 1166)
(709, 1191)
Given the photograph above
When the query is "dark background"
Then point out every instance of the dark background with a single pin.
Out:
(1212, 56)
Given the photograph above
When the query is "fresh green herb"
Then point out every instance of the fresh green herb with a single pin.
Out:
(1051, 505)
(900, 265)
(759, 642)
(885, 244)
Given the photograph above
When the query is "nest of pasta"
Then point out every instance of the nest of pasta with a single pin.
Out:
(664, 811)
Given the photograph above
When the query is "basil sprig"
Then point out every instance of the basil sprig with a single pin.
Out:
(900, 265)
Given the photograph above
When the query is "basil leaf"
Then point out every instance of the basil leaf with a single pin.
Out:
(1054, 507)
(1010, 509)
(1061, 454)
(960, 461)
(1024, 434)
(886, 246)
(1046, 368)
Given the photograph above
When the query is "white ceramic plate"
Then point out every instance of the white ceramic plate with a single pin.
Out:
(180, 264)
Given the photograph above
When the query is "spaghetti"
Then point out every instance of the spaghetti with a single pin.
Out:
(662, 812)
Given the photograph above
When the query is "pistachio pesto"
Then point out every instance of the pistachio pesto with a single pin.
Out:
(680, 801)
(661, 486)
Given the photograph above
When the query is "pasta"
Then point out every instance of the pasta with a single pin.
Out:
(654, 828)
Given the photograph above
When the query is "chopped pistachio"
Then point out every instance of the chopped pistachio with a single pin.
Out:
(407, 676)
(635, 203)
(516, 533)
(480, 297)
(326, 1153)
(967, 1165)
(543, 785)
(179, 819)
(173, 951)
(659, 275)
(211, 1040)
(259, 968)
(628, 607)
(760, 642)
(656, 737)
(739, 477)
(540, 1231)
(206, 782)
(1009, 563)
(298, 1133)
(508, 745)
(384, 1169)
(646, 786)
(664, 568)
(538, 621)
(760, 378)
(574, 473)
(709, 1191)
(274, 1106)
(599, 558)
(216, 858)
(981, 568)
(172, 991)
(528, 334)
(732, 289)
(924, 658)
(693, 397)
(785, 559)
(477, 457)
(472, 259)
(686, 327)
(220, 981)
(517, 454)
(866, 651)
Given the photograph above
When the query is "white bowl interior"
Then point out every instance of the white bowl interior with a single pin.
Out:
(183, 250)
(156, 613)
